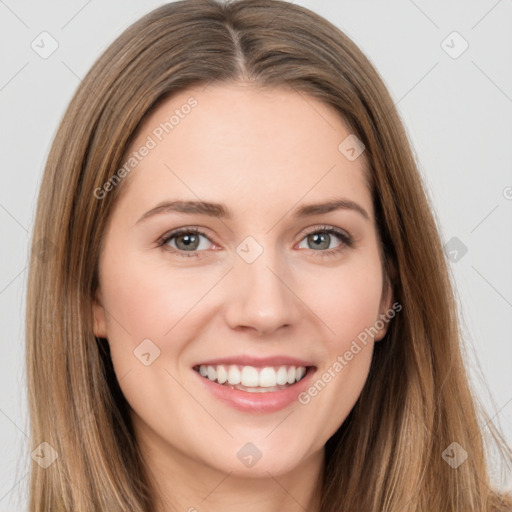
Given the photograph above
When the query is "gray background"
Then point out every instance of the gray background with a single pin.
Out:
(458, 114)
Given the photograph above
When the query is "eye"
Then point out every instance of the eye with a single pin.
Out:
(186, 242)
(183, 241)
(321, 237)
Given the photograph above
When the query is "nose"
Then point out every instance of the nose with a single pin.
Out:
(261, 296)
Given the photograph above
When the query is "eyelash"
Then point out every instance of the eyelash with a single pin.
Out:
(347, 241)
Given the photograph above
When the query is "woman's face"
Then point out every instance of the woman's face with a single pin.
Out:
(266, 288)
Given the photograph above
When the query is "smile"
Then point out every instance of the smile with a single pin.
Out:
(253, 379)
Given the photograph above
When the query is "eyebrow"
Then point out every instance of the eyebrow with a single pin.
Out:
(218, 210)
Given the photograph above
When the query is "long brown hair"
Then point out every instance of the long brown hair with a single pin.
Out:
(388, 454)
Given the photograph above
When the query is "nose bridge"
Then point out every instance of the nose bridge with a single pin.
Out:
(261, 297)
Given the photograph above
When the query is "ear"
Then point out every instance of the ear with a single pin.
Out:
(99, 317)
(385, 305)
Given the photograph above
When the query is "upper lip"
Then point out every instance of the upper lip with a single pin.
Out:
(245, 360)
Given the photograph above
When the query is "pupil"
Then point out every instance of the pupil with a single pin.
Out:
(188, 240)
(320, 238)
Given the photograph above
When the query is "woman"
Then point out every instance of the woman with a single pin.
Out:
(192, 344)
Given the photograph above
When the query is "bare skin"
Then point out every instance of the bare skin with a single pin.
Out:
(263, 154)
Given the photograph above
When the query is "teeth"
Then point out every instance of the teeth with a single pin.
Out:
(211, 373)
(267, 378)
(222, 374)
(233, 375)
(252, 377)
(249, 377)
(282, 376)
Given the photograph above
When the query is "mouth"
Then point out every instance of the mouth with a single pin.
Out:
(254, 379)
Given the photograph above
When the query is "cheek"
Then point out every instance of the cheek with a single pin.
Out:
(148, 299)
(346, 300)
(348, 306)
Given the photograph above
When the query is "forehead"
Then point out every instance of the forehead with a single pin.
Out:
(259, 144)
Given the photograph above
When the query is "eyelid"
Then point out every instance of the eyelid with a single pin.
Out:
(162, 241)
(325, 228)
(347, 240)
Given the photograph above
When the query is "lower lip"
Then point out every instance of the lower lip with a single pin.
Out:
(267, 402)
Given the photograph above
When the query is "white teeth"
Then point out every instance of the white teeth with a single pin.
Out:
(222, 374)
(233, 375)
(249, 377)
(301, 371)
(268, 378)
(252, 377)
(212, 373)
(282, 376)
